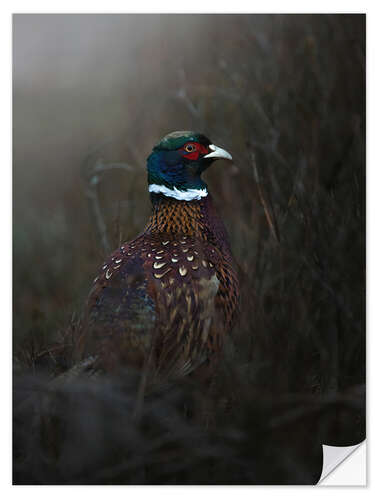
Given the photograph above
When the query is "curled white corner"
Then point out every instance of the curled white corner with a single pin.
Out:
(334, 456)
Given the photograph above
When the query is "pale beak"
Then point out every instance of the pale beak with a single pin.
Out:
(218, 153)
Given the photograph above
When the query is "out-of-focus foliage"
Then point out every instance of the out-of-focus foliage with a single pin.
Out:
(289, 90)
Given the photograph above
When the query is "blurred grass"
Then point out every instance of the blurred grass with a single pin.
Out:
(289, 89)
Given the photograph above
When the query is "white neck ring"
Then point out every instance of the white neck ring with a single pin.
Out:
(188, 195)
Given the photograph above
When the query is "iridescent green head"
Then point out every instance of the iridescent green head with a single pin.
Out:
(177, 162)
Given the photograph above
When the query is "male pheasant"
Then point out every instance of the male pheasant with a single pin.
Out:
(167, 298)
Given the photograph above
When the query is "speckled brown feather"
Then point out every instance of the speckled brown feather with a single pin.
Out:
(175, 285)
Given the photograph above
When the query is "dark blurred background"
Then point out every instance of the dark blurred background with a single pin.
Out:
(285, 94)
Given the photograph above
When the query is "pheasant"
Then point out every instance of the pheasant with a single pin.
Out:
(166, 299)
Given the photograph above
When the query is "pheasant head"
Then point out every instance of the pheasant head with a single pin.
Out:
(177, 162)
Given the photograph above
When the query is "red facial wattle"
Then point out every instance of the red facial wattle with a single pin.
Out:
(199, 150)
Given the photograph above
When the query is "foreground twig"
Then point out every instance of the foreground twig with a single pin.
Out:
(93, 177)
(267, 209)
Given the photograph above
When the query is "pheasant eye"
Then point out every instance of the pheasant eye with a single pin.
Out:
(189, 148)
